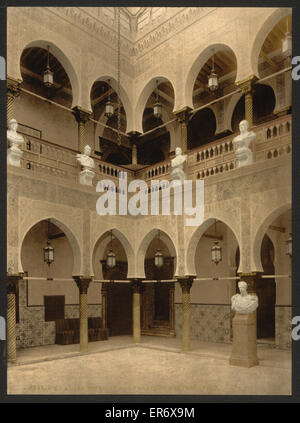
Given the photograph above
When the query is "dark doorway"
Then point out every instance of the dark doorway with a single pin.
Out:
(119, 309)
(265, 290)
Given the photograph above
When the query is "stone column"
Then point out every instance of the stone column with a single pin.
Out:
(134, 142)
(136, 310)
(13, 91)
(12, 286)
(186, 283)
(171, 308)
(247, 88)
(82, 283)
(81, 117)
(183, 118)
(134, 155)
(104, 304)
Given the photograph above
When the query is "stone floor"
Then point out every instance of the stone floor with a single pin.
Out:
(156, 366)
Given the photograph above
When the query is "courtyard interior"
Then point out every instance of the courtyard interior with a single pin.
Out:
(156, 366)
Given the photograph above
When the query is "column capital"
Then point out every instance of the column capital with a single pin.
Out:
(81, 115)
(12, 282)
(136, 284)
(186, 282)
(13, 86)
(183, 114)
(246, 84)
(133, 136)
(250, 278)
(82, 283)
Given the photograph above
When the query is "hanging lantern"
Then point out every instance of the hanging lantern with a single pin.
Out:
(157, 110)
(158, 256)
(287, 44)
(109, 107)
(213, 82)
(48, 250)
(216, 253)
(158, 259)
(111, 257)
(289, 243)
(157, 107)
(48, 74)
(48, 253)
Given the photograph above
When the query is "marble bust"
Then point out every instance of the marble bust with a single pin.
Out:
(241, 142)
(244, 303)
(15, 141)
(177, 163)
(86, 175)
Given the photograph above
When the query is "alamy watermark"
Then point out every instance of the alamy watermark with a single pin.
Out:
(145, 198)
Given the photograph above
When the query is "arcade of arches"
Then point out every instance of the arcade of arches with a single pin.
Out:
(247, 210)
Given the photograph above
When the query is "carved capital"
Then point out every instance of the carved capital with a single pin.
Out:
(13, 87)
(12, 282)
(136, 285)
(82, 283)
(186, 282)
(246, 85)
(251, 279)
(81, 115)
(133, 137)
(183, 115)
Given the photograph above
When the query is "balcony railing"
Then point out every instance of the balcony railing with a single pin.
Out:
(273, 139)
(45, 158)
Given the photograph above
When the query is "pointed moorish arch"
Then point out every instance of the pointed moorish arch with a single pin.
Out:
(77, 261)
(143, 98)
(103, 238)
(195, 238)
(261, 231)
(262, 34)
(66, 63)
(143, 247)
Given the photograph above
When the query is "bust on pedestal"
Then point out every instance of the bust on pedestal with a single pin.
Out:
(86, 175)
(177, 165)
(241, 142)
(244, 346)
(15, 141)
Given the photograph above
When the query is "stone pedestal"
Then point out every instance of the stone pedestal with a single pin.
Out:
(244, 346)
(14, 155)
(86, 177)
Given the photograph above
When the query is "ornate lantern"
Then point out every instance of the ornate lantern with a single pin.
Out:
(289, 243)
(48, 250)
(287, 42)
(213, 82)
(109, 107)
(111, 257)
(216, 253)
(216, 250)
(158, 256)
(48, 74)
(157, 107)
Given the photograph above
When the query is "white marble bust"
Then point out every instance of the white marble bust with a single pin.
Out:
(242, 142)
(177, 165)
(85, 160)
(244, 303)
(15, 141)
(86, 175)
